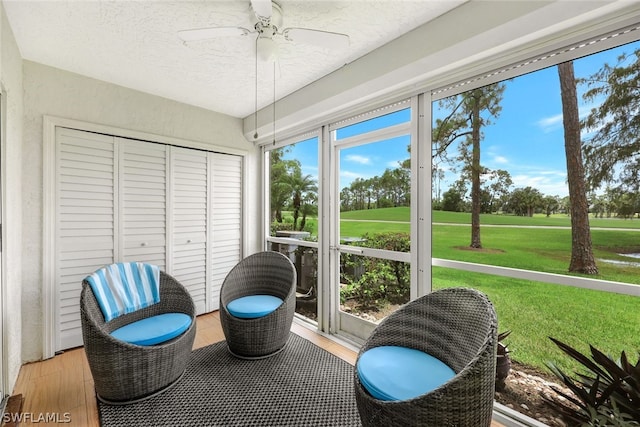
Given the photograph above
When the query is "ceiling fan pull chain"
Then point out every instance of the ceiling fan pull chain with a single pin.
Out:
(274, 102)
(255, 116)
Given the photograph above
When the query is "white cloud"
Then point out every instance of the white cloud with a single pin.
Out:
(358, 159)
(501, 160)
(551, 123)
(548, 124)
(349, 175)
(548, 182)
(310, 170)
(494, 156)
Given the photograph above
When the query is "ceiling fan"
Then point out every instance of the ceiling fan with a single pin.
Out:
(268, 17)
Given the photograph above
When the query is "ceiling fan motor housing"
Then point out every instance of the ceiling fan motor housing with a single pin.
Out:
(268, 25)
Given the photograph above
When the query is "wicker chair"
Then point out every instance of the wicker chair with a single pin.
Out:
(459, 327)
(126, 373)
(263, 273)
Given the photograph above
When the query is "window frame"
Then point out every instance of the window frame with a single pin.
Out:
(421, 98)
(594, 45)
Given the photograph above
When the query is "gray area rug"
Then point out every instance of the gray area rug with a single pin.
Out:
(303, 385)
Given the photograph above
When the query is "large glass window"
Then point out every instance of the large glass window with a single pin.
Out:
(552, 242)
(539, 174)
(293, 215)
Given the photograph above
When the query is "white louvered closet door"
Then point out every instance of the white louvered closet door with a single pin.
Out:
(143, 201)
(119, 199)
(226, 219)
(189, 203)
(86, 223)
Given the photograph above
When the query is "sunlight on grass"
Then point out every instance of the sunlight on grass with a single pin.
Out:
(401, 213)
(535, 311)
(525, 247)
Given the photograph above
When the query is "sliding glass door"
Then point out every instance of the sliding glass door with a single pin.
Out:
(370, 228)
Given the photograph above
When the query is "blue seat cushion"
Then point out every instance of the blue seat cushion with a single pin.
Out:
(154, 330)
(400, 373)
(253, 306)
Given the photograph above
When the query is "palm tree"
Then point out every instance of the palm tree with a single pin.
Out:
(299, 186)
(279, 190)
(309, 207)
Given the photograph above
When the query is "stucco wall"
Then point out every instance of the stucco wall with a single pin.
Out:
(50, 91)
(11, 81)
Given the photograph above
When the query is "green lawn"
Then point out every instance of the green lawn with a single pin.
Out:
(383, 214)
(547, 248)
(542, 249)
(558, 220)
(533, 311)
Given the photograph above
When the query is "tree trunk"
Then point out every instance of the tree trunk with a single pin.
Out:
(475, 177)
(582, 260)
(296, 214)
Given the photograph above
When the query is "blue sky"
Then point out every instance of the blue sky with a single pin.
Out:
(526, 140)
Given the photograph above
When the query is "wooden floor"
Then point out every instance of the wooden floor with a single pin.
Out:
(61, 388)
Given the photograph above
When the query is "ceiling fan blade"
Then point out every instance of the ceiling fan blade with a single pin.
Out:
(262, 8)
(320, 38)
(213, 32)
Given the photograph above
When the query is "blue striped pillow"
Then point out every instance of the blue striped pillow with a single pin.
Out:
(125, 287)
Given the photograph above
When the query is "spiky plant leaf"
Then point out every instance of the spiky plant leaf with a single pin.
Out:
(606, 387)
(579, 357)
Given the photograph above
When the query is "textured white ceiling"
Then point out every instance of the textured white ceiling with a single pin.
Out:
(134, 44)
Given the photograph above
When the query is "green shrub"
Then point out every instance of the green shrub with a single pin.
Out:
(281, 226)
(609, 417)
(287, 225)
(606, 393)
(375, 282)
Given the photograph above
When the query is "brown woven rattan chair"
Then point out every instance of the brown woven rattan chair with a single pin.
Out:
(459, 327)
(126, 373)
(262, 273)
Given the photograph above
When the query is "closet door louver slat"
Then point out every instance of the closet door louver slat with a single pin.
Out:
(143, 189)
(85, 229)
(226, 219)
(190, 193)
